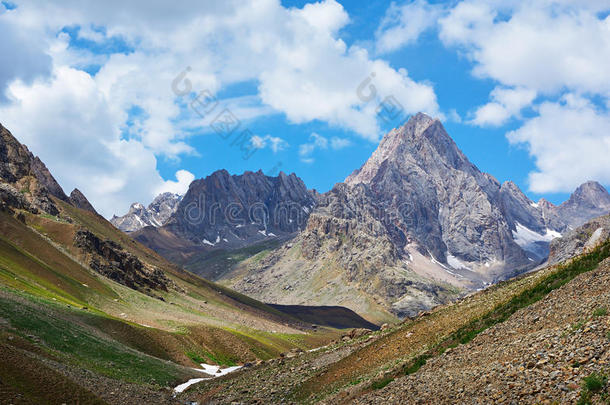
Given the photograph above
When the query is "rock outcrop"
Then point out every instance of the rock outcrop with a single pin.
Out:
(110, 260)
(26, 173)
(78, 199)
(580, 240)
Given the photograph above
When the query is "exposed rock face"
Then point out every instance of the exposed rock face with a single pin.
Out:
(415, 219)
(419, 168)
(79, 200)
(235, 211)
(580, 240)
(156, 214)
(109, 259)
(27, 174)
(588, 201)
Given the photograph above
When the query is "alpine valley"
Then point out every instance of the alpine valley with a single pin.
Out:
(254, 289)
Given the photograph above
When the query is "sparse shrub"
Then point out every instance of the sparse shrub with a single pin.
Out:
(595, 382)
(590, 386)
(578, 325)
(379, 384)
(602, 311)
(416, 364)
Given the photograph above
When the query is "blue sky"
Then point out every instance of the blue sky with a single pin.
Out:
(522, 88)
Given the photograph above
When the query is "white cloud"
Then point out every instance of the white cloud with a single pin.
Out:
(570, 143)
(24, 55)
(540, 45)
(339, 143)
(402, 25)
(276, 144)
(67, 121)
(307, 149)
(318, 142)
(506, 103)
(183, 180)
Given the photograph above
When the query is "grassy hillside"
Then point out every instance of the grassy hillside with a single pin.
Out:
(75, 326)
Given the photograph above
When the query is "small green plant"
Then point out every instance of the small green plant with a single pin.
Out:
(602, 311)
(379, 384)
(608, 334)
(595, 382)
(590, 386)
(578, 325)
(416, 364)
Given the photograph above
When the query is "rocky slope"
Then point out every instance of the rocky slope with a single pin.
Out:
(580, 240)
(534, 339)
(156, 214)
(24, 173)
(540, 355)
(416, 224)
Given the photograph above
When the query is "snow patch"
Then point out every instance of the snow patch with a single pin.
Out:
(456, 263)
(212, 370)
(207, 242)
(187, 384)
(525, 237)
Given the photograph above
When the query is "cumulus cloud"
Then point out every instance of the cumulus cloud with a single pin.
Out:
(180, 186)
(570, 143)
(24, 55)
(505, 104)
(556, 51)
(541, 45)
(402, 25)
(67, 121)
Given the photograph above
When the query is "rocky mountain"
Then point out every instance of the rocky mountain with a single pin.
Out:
(78, 199)
(235, 211)
(23, 173)
(588, 201)
(227, 212)
(156, 214)
(416, 224)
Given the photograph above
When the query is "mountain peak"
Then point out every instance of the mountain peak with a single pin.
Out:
(78, 199)
(590, 193)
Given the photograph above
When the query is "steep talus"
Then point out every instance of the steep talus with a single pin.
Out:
(541, 354)
(580, 240)
(538, 338)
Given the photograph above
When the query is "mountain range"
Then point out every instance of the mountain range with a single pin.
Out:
(416, 226)
(90, 315)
